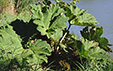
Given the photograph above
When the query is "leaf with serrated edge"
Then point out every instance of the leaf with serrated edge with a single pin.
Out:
(39, 50)
(49, 20)
(10, 42)
(82, 18)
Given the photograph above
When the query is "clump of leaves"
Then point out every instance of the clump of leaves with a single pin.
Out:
(45, 39)
(95, 34)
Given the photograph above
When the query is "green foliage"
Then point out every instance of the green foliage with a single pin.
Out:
(78, 16)
(4, 3)
(95, 34)
(49, 21)
(11, 48)
(5, 19)
(8, 38)
(50, 42)
(24, 15)
(97, 57)
(39, 49)
(96, 66)
(23, 9)
(91, 50)
(82, 17)
(10, 45)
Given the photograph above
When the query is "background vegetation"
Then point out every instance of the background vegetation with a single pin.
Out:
(34, 37)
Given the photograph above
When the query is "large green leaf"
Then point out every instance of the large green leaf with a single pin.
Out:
(10, 44)
(49, 20)
(82, 18)
(98, 53)
(93, 50)
(79, 16)
(37, 52)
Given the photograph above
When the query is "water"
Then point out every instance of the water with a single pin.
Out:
(102, 10)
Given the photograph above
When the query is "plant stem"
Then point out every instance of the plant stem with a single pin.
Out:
(64, 35)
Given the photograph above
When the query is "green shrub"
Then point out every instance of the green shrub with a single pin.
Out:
(37, 38)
